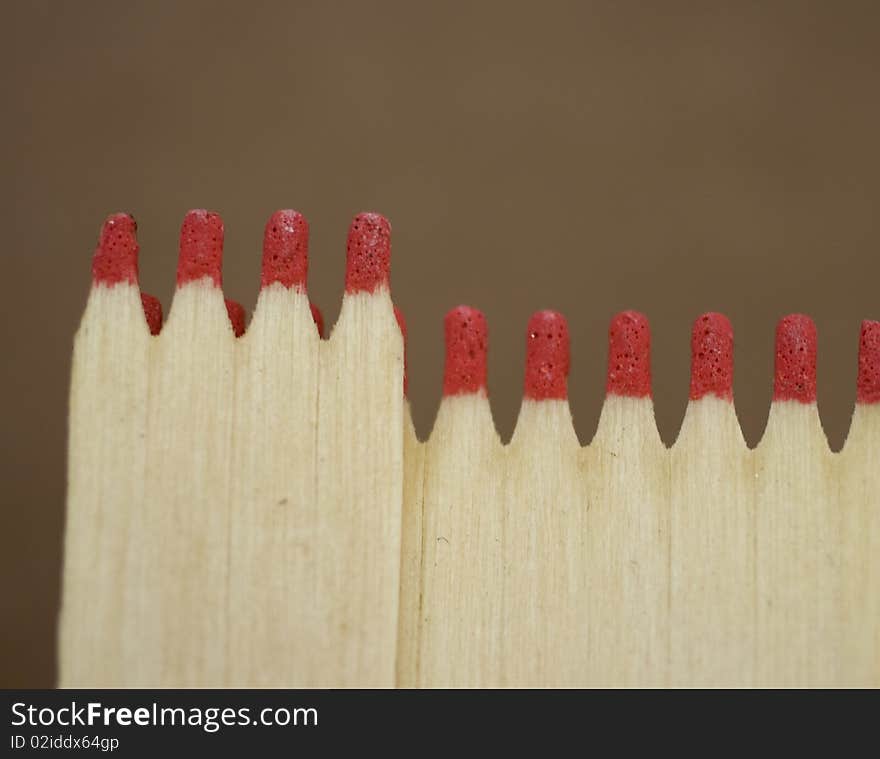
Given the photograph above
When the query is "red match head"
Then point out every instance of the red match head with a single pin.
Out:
(547, 357)
(401, 323)
(467, 341)
(201, 248)
(153, 312)
(629, 355)
(368, 253)
(286, 250)
(318, 318)
(712, 357)
(236, 316)
(869, 363)
(116, 257)
(795, 367)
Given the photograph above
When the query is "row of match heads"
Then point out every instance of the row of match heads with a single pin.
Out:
(368, 258)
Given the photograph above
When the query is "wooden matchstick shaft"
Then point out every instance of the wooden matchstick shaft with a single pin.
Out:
(107, 472)
(712, 525)
(250, 506)
(356, 592)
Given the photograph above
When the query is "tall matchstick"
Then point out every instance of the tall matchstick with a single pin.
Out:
(175, 619)
(797, 530)
(107, 463)
(543, 541)
(712, 614)
(359, 476)
(273, 527)
(626, 470)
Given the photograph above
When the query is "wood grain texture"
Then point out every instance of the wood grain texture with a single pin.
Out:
(712, 551)
(360, 498)
(798, 552)
(105, 484)
(176, 615)
(544, 549)
(275, 515)
(259, 512)
(461, 623)
(627, 535)
(410, 556)
(858, 475)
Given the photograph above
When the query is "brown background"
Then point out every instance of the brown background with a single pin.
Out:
(590, 157)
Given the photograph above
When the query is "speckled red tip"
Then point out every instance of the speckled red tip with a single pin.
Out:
(201, 248)
(869, 363)
(795, 372)
(236, 316)
(368, 254)
(712, 357)
(629, 356)
(319, 319)
(116, 257)
(467, 340)
(153, 312)
(286, 250)
(547, 357)
(401, 322)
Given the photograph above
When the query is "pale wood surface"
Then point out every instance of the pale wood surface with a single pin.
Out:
(105, 487)
(798, 552)
(359, 498)
(626, 469)
(460, 624)
(544, 552)
(275, 513)
(858, 476)
(410, 556)
(712, 550)
(176, 616)
(260, 512)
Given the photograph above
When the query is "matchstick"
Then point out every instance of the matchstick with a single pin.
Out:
(175, 620)
(275, 514)
(626, 473)
(107, 464)
(251, 506)
(359, 476)
(859, 478)
(798, 554)
(543, 542)
(460, 625)
(712, 614)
